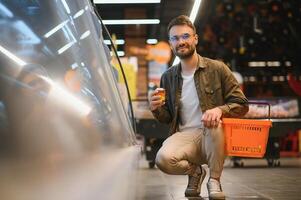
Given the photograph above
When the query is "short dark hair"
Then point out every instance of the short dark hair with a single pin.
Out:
(180, 20)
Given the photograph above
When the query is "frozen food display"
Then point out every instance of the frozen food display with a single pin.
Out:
(280, 108)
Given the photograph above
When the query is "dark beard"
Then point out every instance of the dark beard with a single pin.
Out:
(185, 55)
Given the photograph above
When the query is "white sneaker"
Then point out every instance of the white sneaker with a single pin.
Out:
(215, 189)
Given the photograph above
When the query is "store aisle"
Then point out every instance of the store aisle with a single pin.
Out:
(254, 181)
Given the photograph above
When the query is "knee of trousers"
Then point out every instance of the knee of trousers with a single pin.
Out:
(164, 162)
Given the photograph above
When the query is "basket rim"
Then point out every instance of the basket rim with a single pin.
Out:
(236, 121)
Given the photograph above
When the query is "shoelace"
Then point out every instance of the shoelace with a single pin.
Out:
(194, 180)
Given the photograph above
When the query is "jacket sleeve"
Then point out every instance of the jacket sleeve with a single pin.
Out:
(236, 104)
(162, 114)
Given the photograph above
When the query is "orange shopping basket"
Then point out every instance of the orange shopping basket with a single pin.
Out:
(246, 137)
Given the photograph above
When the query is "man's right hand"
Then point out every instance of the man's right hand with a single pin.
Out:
(155, 100)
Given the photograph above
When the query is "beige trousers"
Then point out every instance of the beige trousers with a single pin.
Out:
(182, 152)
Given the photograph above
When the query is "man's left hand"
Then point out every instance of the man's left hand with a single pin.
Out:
(211, 118)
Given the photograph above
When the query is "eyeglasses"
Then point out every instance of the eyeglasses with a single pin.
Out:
(176, 38)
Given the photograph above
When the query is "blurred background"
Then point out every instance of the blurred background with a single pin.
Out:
(259, 39)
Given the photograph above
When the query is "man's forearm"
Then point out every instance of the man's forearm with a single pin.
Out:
(234, 109)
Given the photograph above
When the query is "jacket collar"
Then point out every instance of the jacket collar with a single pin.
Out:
(201, 62)
(201, 65)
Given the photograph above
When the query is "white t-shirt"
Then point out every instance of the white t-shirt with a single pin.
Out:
(191, 113)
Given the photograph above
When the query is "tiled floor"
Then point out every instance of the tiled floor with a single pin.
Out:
(254, 181)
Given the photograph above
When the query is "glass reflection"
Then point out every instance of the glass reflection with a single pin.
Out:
(59, 102)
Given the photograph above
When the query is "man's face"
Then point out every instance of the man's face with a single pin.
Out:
(183, 41)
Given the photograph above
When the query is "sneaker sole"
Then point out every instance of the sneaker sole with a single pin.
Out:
(221, 198)
(216, 198)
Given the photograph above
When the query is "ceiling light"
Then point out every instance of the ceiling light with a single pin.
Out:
(122, 42)
(131, 21)
(118, 42)
(119, 53)
(195, 10)
(12, 56)
(84, 35)
(79, 13)
(257, 64)
(273, 63)
(125, 1)
(55, 29)
(64, 48)
(66, 6)
(151, 41)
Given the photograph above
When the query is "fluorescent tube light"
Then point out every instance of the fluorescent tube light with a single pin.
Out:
(118, 42)
(64, 48)
(12, 56)
(273, 63)
(151, 41)
(79, 13)
(195, 10)
(131, 21)
(84, 35)
(125, 1)
(66, 6)
(257, 64)
(122, 42)
(119, 53)
(55, 29)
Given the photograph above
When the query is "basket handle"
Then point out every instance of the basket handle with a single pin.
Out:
(262, 103)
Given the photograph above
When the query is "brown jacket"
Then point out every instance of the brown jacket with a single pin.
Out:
(215, 85)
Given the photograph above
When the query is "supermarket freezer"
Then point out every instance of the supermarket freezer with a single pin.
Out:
(64, 132)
